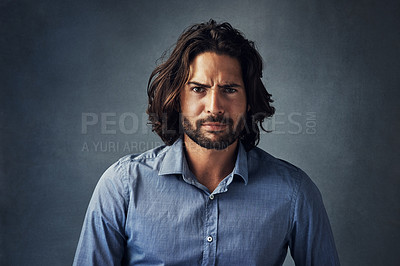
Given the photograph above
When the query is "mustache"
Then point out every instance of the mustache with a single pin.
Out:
(215, 119)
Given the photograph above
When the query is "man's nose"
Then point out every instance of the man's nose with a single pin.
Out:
(214, 102)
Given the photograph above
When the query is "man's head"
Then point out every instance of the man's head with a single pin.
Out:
(213, 101)
(200, 48)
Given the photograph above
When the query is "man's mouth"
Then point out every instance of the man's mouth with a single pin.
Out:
(214, 126)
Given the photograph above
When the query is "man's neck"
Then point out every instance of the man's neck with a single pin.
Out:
(210, 166)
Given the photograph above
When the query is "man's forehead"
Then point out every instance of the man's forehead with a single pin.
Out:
(209, 66)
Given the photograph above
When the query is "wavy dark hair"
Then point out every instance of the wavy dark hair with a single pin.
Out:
(169, 77)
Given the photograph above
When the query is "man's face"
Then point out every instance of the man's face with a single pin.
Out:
(213, 101)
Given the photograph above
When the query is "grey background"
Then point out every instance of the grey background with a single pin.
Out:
(331, 66)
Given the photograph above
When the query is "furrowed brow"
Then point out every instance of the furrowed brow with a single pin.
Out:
(230, 85)
(225, 86)
(198, 84)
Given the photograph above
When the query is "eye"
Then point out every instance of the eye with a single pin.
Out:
(230, 90)
(198, 89)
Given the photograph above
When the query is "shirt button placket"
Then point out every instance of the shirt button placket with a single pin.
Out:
(211, 224)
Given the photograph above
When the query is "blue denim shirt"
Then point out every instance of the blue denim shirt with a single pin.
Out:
(149, 209)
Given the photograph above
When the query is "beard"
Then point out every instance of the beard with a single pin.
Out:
(224, 138)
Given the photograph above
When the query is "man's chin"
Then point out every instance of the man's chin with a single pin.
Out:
(214, 143)
(210, 139)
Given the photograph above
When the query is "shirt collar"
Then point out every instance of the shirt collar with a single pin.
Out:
(241, 164)
(173, 161)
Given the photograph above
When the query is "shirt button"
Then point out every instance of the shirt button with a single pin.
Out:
(211, 197)
(209, 239)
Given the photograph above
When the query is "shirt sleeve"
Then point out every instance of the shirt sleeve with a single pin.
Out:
(311, 240)
(102, 238)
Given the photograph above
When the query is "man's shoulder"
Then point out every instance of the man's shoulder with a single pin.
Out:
(265, 159)
(149, 155)
(279, 171)
(150, 159)
(276, 170)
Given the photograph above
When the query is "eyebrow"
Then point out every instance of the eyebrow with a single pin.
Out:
(229, 85)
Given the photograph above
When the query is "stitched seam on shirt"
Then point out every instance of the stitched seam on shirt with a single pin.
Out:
(150, 155)
(125, 180)
(295, 196)
(137, 157)
(205, 234)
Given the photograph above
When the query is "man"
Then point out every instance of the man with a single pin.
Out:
(210, 196)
